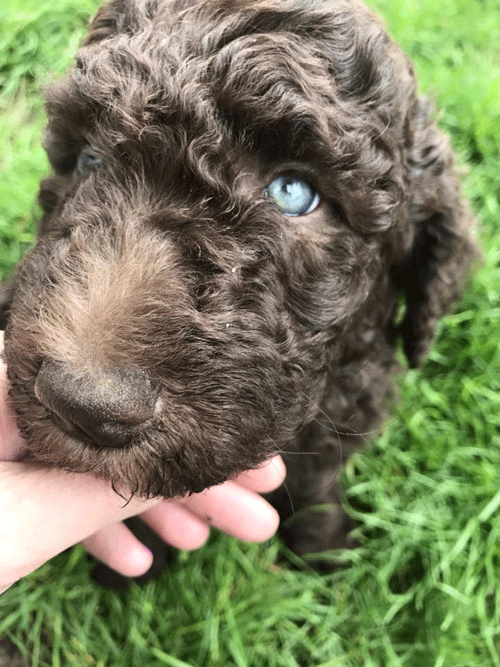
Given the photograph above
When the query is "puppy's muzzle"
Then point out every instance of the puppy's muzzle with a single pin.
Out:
(106, 407)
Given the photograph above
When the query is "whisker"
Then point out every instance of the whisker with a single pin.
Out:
(334, 430)
(295, 453)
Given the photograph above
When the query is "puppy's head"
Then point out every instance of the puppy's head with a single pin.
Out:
(240, 191)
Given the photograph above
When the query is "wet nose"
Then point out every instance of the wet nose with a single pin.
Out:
(108, 406)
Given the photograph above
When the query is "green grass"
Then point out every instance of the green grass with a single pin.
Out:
(422, 590)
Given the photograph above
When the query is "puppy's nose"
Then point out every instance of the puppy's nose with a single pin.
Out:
(108, 406)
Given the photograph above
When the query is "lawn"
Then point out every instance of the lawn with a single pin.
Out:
(423, 589)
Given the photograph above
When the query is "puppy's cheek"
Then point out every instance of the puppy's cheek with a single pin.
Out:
(332, 280)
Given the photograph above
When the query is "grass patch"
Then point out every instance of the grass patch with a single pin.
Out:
(422, 590)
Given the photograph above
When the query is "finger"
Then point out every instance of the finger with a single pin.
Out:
(175, 524)
(265, 478)
(116, 546)
(45, 511)
(236, 511)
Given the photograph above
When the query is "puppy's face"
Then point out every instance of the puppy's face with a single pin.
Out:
(228, 195)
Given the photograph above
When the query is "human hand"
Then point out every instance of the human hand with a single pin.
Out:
(44, 511)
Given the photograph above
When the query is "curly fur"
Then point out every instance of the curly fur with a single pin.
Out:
(258, 332)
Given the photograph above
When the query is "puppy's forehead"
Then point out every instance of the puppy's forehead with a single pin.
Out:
(206, 73)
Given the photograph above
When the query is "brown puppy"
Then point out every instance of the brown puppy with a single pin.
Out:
(244, 196)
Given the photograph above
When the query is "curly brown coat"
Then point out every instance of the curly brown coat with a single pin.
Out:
(172, 326)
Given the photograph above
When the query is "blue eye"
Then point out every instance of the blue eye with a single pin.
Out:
(87, 162)
(293, 195)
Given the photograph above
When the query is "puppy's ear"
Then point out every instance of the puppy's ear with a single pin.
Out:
(439, 244)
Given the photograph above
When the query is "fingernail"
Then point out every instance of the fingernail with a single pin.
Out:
(148, 553)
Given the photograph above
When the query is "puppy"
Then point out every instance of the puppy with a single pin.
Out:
(250, 207)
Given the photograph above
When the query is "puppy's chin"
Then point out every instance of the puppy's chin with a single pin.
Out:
(128, 470)
(162, 459)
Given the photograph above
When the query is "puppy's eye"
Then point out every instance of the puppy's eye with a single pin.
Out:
(87, 161)
(293, 195)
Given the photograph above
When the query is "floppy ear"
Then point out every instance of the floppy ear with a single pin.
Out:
(440, 245)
